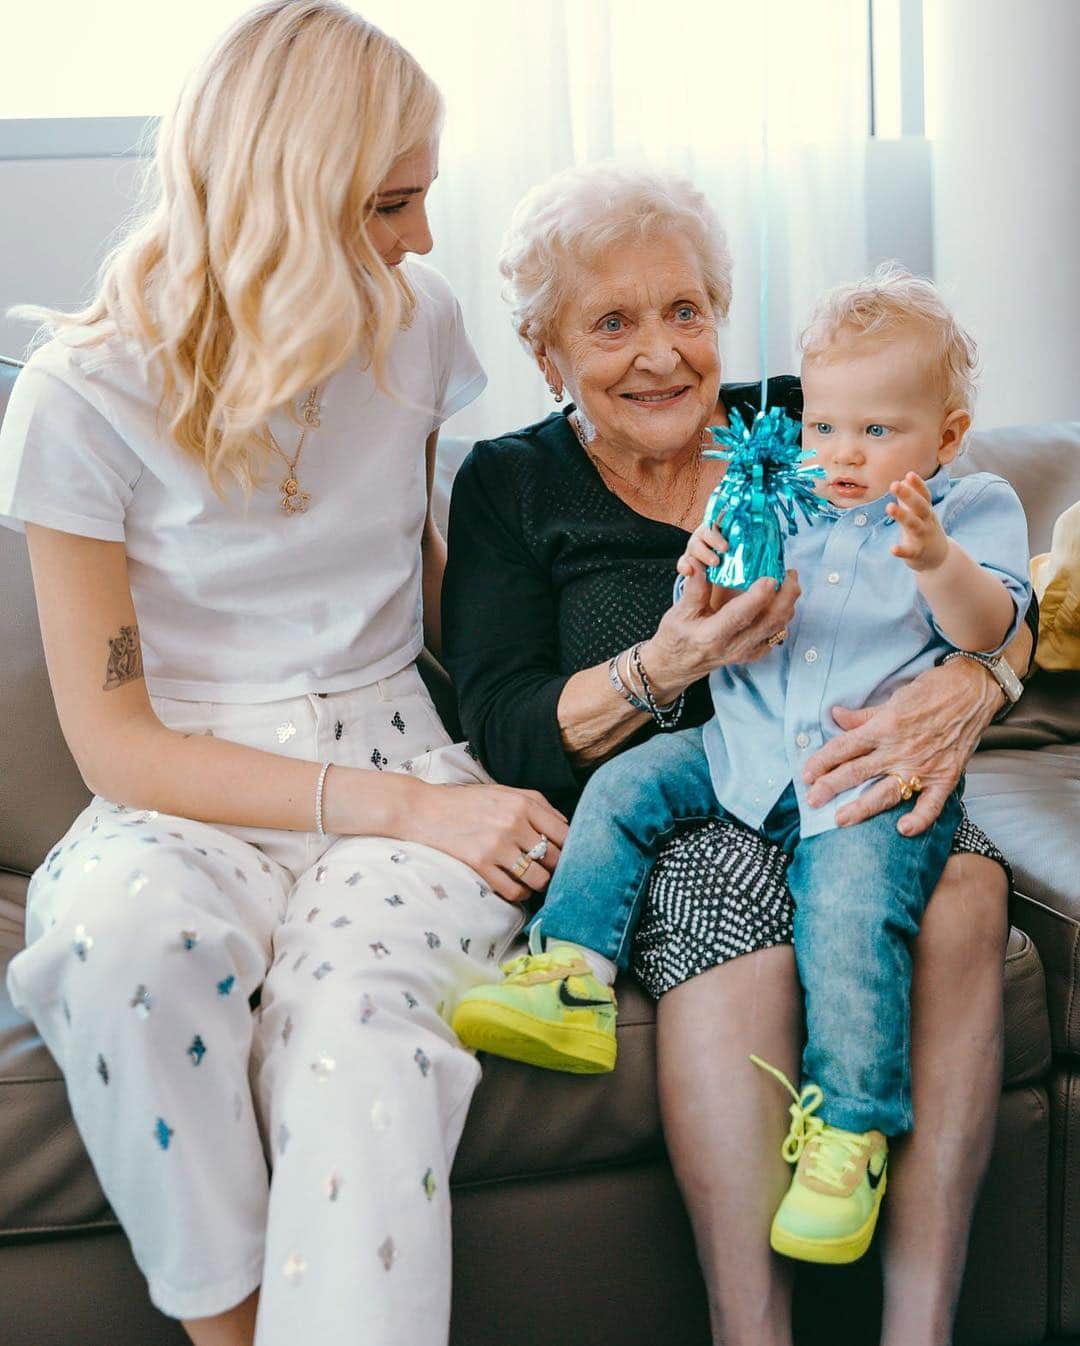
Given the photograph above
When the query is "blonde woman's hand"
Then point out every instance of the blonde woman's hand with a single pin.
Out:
(710, 626)
(490, 828)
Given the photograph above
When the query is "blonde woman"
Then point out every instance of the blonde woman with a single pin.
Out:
(222, 466)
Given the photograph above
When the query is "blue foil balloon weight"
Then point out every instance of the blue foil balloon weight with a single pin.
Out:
(766, 486)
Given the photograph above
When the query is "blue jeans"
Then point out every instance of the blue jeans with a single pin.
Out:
(859, 895)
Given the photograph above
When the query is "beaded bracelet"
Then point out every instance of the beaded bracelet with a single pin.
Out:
(634, 682)
(320, 830)
(667, 717)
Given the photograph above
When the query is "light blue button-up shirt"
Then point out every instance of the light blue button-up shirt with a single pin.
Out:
(861, 629)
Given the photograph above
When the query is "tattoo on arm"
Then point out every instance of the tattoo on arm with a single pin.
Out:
(125, 659)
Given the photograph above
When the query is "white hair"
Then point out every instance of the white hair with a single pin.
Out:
(577, 214)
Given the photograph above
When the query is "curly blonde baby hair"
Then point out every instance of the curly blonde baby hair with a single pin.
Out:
(887, 303)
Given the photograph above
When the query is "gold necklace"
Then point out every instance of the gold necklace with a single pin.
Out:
(605, 471)
(295, 500)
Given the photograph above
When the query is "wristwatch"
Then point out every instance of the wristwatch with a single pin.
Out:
(999, 669)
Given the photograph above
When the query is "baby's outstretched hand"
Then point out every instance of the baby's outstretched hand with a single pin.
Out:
(923, 544)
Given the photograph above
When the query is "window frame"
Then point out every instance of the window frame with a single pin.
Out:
(75, 137)
(907, 56)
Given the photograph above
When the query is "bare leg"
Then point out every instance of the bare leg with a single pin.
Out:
(724, 1120)
(235, 1327)
(956, 1056)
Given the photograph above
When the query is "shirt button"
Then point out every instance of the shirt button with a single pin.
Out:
(811, 655)
(802, 739)
(834, 577)
(859, 521)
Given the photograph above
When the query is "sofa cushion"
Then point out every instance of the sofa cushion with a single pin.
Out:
(1029, 802)
(527, 1121)
(1041, 461)
(1028, 1054)
(48, 1182)
(1047, 713)
(524, 1122)
(12, 911)
(38, 802)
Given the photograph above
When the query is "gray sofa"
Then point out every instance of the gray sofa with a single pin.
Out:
(563, 1194)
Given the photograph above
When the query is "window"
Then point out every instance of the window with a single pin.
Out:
(57, 51)
(896, 68)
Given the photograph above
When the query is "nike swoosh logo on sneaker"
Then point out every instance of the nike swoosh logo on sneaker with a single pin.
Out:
(870, 1176)
(568, 998)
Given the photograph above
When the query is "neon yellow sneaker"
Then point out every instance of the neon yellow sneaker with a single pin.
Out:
(830, 1211)
(549, 1011)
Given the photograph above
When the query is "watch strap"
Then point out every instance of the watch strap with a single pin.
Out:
(1000, 670)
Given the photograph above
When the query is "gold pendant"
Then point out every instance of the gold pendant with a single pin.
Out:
(293, 499)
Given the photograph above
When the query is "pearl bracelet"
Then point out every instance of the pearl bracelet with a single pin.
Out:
(320, 830)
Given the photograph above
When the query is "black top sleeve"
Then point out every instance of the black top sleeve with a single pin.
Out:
(499, 623)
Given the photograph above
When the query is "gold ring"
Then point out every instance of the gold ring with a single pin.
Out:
(522, 865)
(778, 637)
(909, 787)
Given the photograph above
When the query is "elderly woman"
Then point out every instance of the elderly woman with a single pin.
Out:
(563, 543)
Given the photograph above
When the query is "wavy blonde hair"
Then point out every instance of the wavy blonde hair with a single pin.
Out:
(248, 274)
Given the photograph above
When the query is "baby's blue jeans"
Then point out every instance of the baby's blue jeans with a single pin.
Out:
(859, 895)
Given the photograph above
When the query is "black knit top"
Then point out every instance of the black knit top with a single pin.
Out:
(549, 572)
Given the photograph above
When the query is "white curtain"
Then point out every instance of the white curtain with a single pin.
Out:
(686, 85)
(536, 85)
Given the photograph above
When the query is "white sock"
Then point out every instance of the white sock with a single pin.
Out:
(603, 969)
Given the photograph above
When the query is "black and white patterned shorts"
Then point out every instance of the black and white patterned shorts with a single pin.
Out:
(720, 891)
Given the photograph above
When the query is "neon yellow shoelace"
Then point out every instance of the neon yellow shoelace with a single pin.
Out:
(804, 1125)
(536, 959)
(835, 1153)
(528, 962)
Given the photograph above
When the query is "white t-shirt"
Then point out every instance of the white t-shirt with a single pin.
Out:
(239, 602)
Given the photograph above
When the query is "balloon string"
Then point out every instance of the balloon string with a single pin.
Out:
(763, 315)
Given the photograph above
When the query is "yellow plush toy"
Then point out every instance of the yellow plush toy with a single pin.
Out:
(1056, 578)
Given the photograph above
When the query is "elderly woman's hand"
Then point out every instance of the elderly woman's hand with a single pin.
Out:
(928, 728)
(709, 627)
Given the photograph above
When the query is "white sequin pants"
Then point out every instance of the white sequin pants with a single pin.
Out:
(148, 936)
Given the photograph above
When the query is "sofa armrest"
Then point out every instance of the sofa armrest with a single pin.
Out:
(1028, 801)
(1054, 928)
(12, 911)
